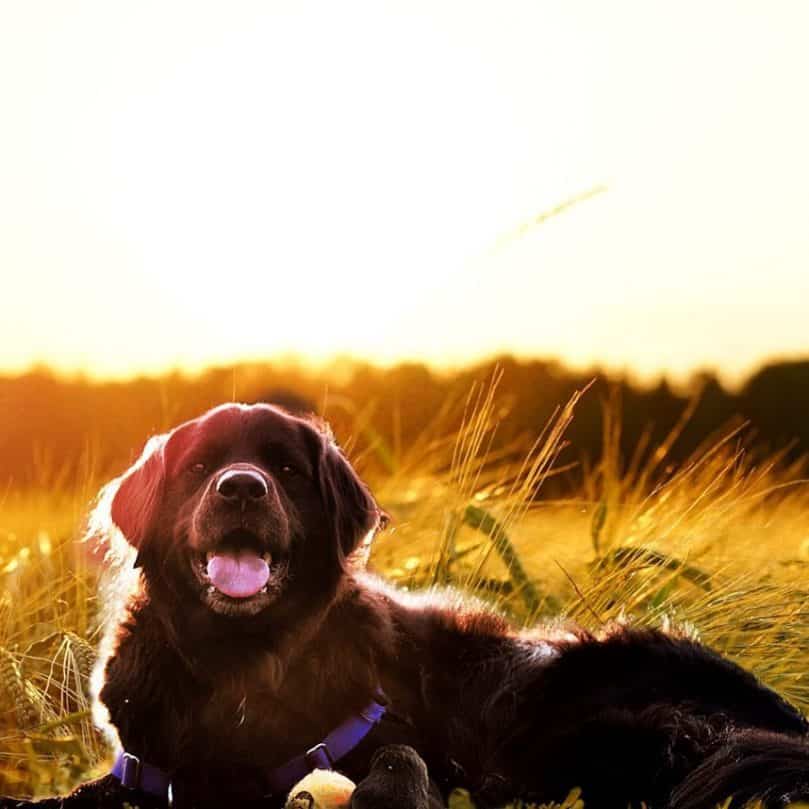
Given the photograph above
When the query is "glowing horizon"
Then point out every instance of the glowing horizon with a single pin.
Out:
(188, 186)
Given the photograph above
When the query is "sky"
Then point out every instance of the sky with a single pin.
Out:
(187, 183)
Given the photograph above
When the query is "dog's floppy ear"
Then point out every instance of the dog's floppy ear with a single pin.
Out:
(347, 499)
(134, 505)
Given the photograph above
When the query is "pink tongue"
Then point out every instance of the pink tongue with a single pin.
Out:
(238, 575)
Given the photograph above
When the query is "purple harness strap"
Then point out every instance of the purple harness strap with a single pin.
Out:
(340, 742)
(136, 774)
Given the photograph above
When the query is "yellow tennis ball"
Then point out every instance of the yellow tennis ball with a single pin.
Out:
(321, 789)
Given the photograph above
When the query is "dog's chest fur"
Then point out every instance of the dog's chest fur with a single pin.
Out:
(256, 707)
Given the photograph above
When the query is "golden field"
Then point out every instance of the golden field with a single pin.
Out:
(716, 545)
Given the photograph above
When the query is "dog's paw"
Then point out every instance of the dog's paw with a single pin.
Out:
(398, 780)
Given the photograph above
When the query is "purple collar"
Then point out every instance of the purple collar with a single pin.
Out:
(136, 774)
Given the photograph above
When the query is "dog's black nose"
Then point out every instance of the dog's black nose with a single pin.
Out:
(241, 484)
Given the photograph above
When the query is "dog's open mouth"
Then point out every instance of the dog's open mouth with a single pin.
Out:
(238, 573)
(237, 577)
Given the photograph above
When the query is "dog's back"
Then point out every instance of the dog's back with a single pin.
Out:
(632, 716)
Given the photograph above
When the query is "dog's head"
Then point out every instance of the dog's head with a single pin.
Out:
(245, 511)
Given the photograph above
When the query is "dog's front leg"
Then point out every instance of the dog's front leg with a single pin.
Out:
(103, 793)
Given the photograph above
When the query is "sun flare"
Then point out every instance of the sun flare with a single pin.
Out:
(318, 179)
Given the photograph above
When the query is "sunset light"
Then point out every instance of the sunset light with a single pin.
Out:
(404, 404)
(203, 184)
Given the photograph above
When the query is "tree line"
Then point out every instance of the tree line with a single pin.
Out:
(54, 428)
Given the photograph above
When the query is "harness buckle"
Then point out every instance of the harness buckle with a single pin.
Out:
(130, 771)
(319, 758)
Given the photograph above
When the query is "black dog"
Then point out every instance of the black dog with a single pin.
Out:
(251, 650)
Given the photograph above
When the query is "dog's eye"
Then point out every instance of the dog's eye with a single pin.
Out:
(289, 470)
(198, 468)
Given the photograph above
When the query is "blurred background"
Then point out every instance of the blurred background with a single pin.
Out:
(543, 267)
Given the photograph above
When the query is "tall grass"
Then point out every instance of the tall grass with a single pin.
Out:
(718, 547)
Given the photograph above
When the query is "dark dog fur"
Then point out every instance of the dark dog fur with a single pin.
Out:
(219, 692)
